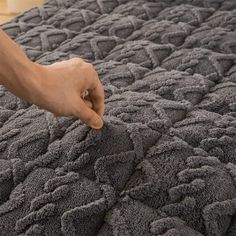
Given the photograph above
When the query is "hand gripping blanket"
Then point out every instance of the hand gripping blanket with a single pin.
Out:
(164, 162)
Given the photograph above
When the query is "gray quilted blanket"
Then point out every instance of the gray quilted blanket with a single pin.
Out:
(164, 162)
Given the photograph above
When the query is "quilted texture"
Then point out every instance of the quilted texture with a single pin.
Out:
(164, 162)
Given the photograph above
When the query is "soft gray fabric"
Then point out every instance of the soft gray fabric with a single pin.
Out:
(165, 162)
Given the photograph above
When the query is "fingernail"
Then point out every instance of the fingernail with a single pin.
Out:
(97, 122)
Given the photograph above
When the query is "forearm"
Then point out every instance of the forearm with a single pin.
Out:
(17, 72)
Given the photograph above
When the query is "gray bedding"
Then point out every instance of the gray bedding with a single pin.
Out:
(164, 162)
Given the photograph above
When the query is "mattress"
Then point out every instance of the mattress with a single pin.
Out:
(164, 163)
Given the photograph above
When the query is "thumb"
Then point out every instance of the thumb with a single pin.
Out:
(87, 115)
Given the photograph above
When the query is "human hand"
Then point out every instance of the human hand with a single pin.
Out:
(61, 87)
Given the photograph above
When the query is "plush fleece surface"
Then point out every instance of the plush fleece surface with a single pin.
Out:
(164, 162)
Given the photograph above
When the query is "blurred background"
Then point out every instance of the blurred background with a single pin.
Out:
(11, 8)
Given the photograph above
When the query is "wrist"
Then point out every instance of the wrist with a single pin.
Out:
(32, 81)
(18, 73)
(25, 80)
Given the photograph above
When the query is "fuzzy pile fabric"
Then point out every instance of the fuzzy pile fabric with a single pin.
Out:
(164, 162)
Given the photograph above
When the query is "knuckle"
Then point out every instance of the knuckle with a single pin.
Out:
(90, 66)
(94, 73)
(77, 60)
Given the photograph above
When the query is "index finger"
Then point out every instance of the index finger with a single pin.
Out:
(87, 115)
(96, 95)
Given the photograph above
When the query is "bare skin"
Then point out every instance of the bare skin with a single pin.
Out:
(57, 88)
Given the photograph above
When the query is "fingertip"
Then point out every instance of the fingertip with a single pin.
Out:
(97, 123)
(88, 115)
